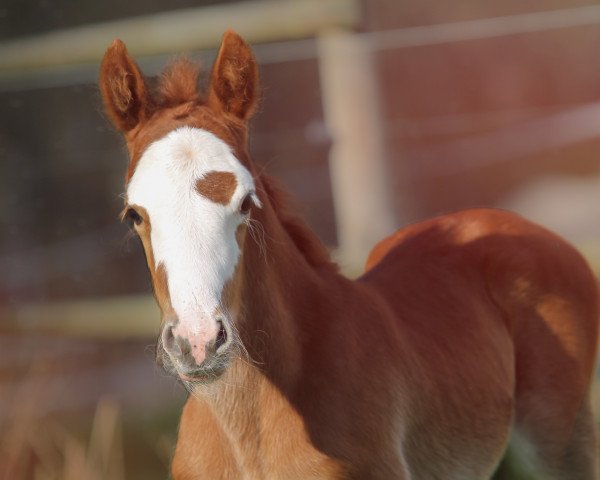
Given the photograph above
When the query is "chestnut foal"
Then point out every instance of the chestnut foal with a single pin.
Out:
(465, 332)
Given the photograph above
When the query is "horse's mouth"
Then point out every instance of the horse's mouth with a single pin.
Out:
(203, 375)
(191, 373)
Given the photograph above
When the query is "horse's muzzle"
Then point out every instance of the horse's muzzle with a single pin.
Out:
(197, 356)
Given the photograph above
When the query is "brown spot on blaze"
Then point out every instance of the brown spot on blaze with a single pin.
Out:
(217, 186)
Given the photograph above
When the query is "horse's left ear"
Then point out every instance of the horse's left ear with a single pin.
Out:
(123, 88)
(234, 80)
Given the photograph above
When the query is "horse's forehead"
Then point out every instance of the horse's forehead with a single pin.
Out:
(188, 160)
(162, 124)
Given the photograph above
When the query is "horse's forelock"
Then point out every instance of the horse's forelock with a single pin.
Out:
(178, 83)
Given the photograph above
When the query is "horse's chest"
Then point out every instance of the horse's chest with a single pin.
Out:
(278, 447)
(295, 462)
(252, 444)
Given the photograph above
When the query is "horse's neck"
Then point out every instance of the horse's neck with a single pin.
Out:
(282, 298)
(282, 294)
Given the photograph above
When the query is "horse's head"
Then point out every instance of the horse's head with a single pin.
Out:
(190, 194)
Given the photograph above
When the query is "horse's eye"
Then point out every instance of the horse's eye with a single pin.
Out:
(246, 204)
(132, 217)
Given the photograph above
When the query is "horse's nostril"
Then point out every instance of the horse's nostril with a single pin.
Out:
(168, 340)
(222, 337)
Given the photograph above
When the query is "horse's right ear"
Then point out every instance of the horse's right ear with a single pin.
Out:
(123, 88)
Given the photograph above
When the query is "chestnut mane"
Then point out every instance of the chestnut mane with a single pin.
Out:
(305, 240)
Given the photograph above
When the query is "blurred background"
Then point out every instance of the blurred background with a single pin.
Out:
(376, 113)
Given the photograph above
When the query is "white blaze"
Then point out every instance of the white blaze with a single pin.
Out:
(192, 236)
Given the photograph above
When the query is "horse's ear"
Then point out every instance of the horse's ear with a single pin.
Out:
(123, 88)
(234, 80)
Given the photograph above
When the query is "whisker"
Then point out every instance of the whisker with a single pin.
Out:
(257, 232)
(262, 169)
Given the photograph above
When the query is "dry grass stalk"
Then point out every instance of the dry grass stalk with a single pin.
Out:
(44, 450)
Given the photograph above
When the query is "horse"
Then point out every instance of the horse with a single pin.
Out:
(470, 338)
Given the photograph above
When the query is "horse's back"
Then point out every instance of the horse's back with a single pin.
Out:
(491, 293)
(526, 271)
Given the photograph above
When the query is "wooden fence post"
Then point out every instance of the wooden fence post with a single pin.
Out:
(357, 161)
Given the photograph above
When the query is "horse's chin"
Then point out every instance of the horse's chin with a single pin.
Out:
(201, 377)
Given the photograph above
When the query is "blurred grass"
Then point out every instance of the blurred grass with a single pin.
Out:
(78, 446)
(106, 444)
(46, 450)
(110, 446)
